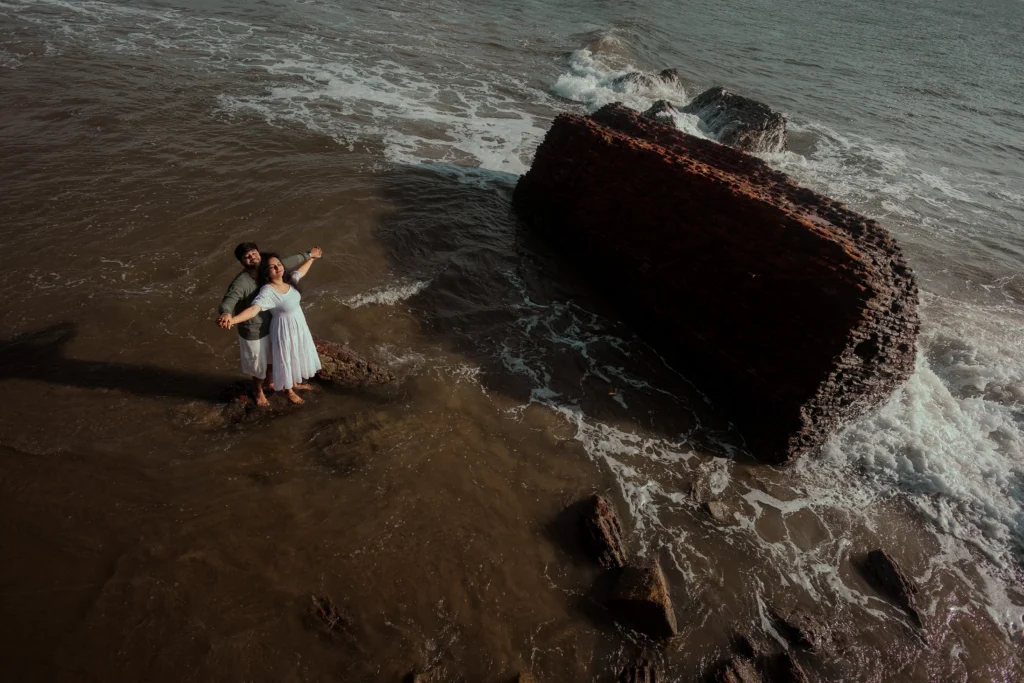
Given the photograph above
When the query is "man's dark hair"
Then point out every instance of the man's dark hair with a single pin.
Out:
(244, 248)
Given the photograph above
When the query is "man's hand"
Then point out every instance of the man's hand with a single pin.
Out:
(316, 252)
(224, 321)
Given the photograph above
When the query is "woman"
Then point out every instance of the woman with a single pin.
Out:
(292, 347)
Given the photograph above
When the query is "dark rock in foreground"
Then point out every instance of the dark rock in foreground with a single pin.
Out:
(890, 579)
(602, 530)
(641, 602)
(791, 312)
(739, 121)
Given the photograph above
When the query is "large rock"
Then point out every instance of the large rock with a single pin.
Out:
(739, 121)
(793, 313)
(602, 531)
(341, 365)
(891, 580)
(641, 602)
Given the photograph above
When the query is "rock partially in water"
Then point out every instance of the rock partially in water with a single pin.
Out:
(633, 79)
(643, 670)
(791, 312)
(718, 511)
(670, 77)
(739, 670)
(785, 669)
(640, 601)
(328, 614)
(341, 365)
(661, 111)
(525, 677)
(891, 580)
(739, 121)
(602, 532)
(801, 628)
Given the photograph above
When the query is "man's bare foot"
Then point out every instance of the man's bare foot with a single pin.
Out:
(294, 398)
(261, 400)
(305, 387)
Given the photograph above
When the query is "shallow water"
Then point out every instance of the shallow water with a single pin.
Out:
(141, 141)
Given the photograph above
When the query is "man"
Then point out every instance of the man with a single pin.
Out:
(254, 334)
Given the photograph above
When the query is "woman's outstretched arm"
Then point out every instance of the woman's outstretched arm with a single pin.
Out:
(247, 314)
(314, 253)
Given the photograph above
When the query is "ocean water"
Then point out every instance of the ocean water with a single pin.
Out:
(143, 139)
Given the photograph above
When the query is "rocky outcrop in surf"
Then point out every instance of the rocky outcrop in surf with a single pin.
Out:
(793, 313)
(340, 366)
(739, 121)
(890, 579)
(663, 111)
(602, 531)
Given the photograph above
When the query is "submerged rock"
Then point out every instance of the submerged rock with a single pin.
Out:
(602, 530)
(800, 628)
(525, 677)
(643, 670)
(739, 121)
(788, 670)
(890, 579)
(640, 601)
(791, 312)
(739, 670)
(718, 511)
(661, 111)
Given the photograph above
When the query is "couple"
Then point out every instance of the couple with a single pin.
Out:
(264, 302)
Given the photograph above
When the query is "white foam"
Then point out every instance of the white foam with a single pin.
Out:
(388, 295)
(594, 83)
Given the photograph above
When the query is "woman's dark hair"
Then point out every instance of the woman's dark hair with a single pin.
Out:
(263, 275)
(244, 248)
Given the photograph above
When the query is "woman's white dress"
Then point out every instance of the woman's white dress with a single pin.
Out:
(294, 353)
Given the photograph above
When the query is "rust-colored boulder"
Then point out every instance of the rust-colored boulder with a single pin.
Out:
(640, 601)
(341, 365)
(890, 579)
(791, 312)
(602, 532)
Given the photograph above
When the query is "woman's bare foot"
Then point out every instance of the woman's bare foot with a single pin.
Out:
(293, 397)
(261, 400)
(305, 387)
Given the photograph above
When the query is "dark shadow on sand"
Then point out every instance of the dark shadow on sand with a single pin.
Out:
(40, 356)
